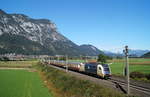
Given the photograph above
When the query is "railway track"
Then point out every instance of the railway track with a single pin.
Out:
(122, 85)
(114, 83)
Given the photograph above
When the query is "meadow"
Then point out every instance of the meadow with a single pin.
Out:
(135, 65)
(18, 63)
(22, 83)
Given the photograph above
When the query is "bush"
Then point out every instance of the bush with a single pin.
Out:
(148, 76)
(137, 75)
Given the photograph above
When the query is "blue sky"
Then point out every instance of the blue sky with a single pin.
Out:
(106, 24)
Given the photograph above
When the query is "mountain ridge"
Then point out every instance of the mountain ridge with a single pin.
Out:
(132, 53)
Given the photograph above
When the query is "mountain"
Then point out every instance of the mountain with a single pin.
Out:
(90, 50)
(147, 55)
(132, 53)
(137, 53)
(18, 44)
(112, 54)
(24, 35)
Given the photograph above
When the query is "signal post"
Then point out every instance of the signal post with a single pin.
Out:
(127, 74)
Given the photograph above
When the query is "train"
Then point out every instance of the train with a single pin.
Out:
(94, 68)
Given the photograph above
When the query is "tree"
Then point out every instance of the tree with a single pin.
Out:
(102, 58)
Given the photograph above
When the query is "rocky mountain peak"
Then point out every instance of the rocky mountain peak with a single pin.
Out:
(39, 30)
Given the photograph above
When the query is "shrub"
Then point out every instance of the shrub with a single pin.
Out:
(148, 76)
(137, 75)
(140, 76)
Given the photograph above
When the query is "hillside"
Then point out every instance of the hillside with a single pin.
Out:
(132, 53)
(137, 53)
(18, 44)
(147, 55)
(90, 50)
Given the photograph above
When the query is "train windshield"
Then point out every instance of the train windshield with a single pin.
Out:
(105, 65)
(106, 69)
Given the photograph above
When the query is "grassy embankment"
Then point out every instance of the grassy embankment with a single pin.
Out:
(64, 85)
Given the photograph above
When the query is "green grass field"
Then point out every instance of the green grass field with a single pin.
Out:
(135, 64)
(22, 83)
